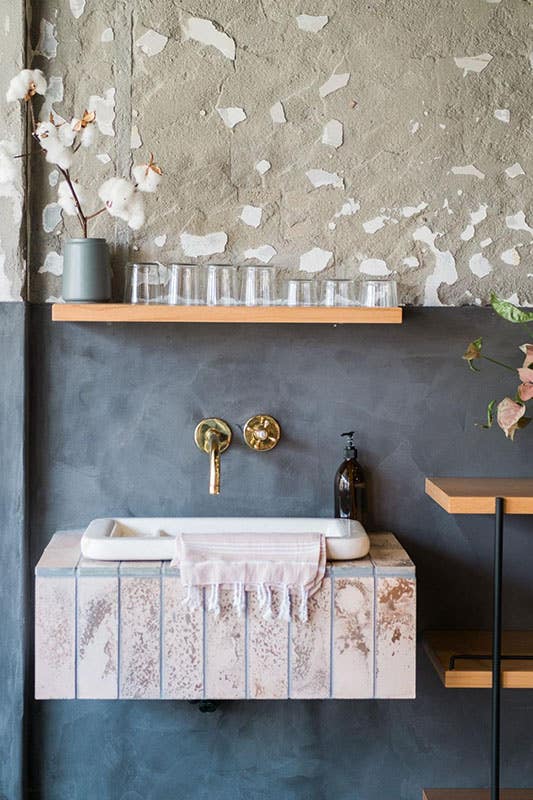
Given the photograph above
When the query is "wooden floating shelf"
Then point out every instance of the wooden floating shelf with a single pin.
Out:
(476, 794)
(471, 674)
(320, 315)
(478, 495)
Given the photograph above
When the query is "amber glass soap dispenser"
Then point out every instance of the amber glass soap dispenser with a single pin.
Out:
(350, 487)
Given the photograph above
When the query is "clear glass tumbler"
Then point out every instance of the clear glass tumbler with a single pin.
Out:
(143, 283)
(300, 292)
(338, 292)
(185, 285)
(221, 285)
(380, 293)
(258, 286)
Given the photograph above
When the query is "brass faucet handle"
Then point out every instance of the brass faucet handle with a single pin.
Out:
(262, 432)
(204, 432)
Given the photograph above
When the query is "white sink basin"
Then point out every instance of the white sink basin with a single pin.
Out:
(154, 538)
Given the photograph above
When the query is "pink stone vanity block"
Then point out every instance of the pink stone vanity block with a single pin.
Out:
(120, 630)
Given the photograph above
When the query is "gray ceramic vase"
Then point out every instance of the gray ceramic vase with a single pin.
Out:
(86, 271)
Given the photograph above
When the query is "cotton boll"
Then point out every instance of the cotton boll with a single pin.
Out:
(39, 80)
(146, 178)
(66, 135)
(117, 193)
(44, 131)
(87, 135)
(66, 200)
(8, 170)
(136, 212)
(57, 153)
(27, 83)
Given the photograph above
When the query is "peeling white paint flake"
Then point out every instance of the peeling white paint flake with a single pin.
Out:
(503, 114)
(411, 262)
(53, 263)
(251, 215)
(53, 177)
(349, 208)
(160, 241)
(469, 169)
(51, 217)
(475, 218)
(319, 177)
(444, 271)
(485, 242)
(47, 44)
(232, 116)
(414, 126)
(54, 94)
(514, 170)
(77, 8)
(374, 266)
(473, 63)
(263, 253)
(411, 211)
(480, 265)
(152, 42)
(511, 256)
(332, 133)
(446, 205)
(204, 31)
(333, 83)
(315, 260)
(375, 224)
(107, 35)
(263, 166)
(310, 23)
(105, 158)
(104, 108)
(517, 222)
(277, 113)
(135, 138)
(206, 245)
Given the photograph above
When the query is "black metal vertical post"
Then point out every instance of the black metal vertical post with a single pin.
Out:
(496, 650)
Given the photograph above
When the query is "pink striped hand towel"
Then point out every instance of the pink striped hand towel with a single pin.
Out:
(292, 564)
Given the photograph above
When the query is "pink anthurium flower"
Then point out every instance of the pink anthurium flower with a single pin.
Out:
(525, 373)
(509, 416)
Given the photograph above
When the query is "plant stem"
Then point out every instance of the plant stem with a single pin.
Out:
(499, 363)
(81, 216)
(96, 213)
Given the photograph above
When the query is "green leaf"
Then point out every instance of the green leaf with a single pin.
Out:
(510, 312)
(490, 415)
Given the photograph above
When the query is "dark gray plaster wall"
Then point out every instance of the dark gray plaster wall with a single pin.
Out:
(13, 546)
(113, 413)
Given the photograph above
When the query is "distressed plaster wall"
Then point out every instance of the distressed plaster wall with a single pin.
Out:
(434, 119)
(12, 230)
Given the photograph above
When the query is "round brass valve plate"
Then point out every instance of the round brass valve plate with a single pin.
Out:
(212, 424)
(262, 432)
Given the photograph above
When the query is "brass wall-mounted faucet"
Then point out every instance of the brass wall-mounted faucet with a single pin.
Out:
(213, 436)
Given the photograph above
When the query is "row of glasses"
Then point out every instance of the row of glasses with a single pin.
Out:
(225, 285)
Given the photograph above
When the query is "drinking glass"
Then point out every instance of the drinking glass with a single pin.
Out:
(143, 283)
(258, 286)
(381, 293)
(221, 285)
(338, 292)
(300, 292)
(184, 285)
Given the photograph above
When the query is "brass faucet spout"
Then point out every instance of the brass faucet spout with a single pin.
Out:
(213, 442)
(213, 436)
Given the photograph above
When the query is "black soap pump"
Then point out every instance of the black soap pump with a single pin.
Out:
(350, 487)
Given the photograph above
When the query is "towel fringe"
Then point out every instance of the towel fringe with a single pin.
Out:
(267, 605)
(304, 597)
(213, 604)
(238, 598)
(285, 605)
(193, 598)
